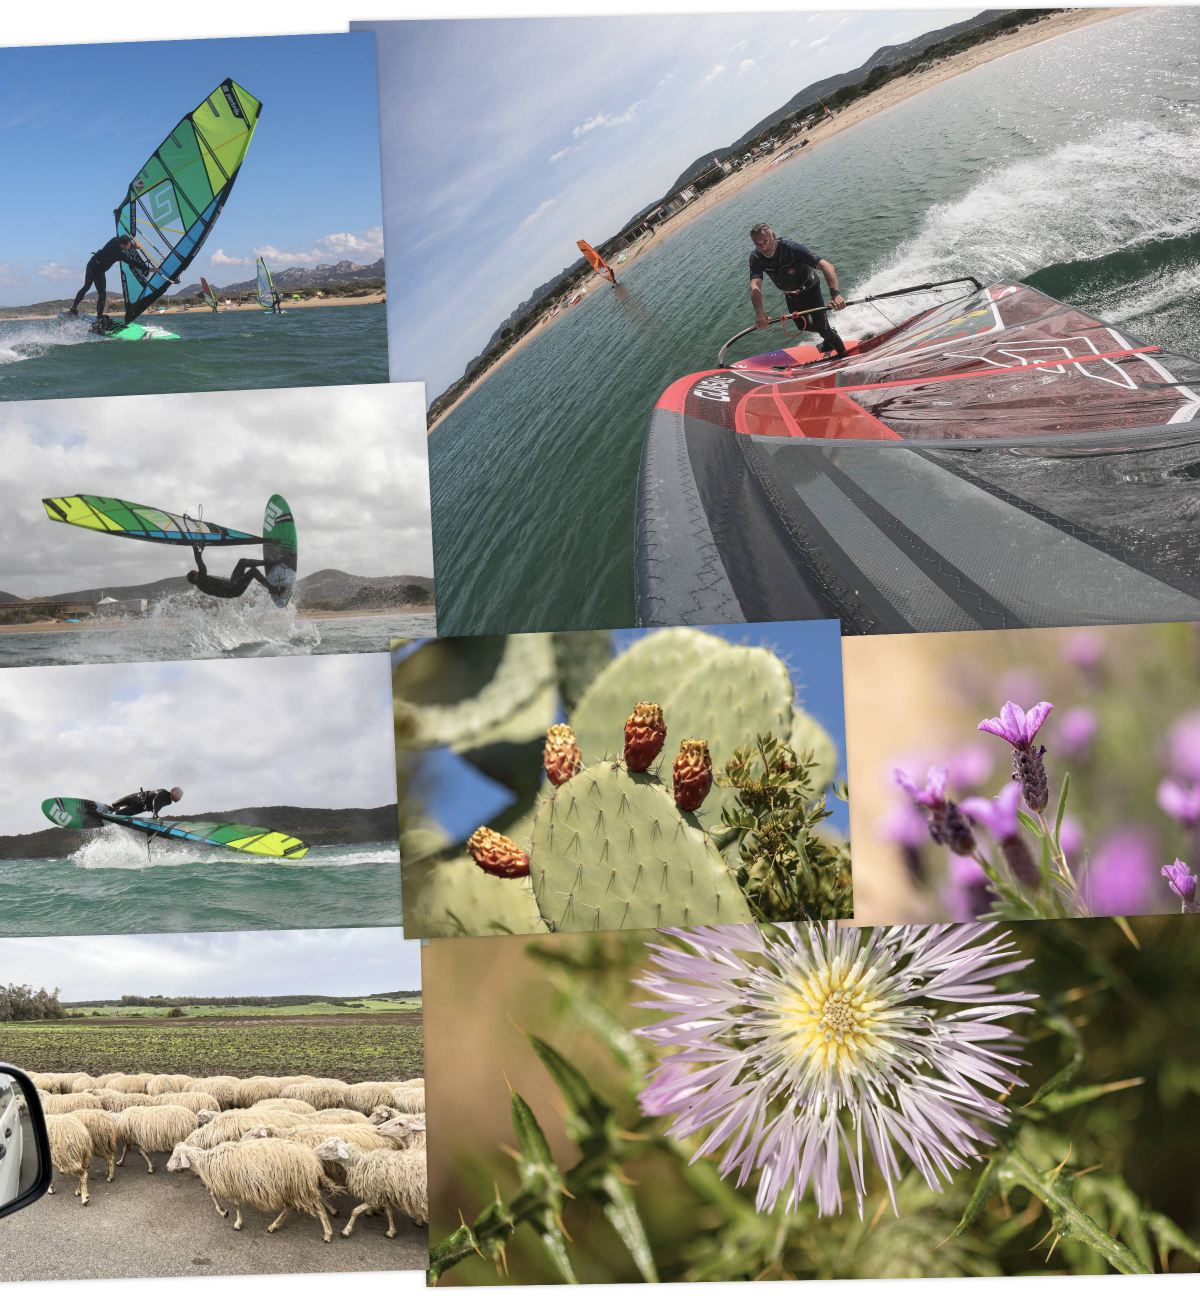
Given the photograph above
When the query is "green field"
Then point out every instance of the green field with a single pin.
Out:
(117, 1011)
(353, 1053)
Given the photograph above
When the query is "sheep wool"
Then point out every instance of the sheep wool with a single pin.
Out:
(153, 1128)
(70, 1150)
(381, 1180)
(268, 1174)
(103, 1130)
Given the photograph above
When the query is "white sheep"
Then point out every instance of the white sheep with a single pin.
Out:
(194, 1101)
(70, 1150)
(268, 1174)
(256, 1089)
(114, 1101)
(292, 1104)
(409, 1100)
(407, 1130)
(365, 1097)
(153, 1128)
(381, 1180)
(321, 1093)
(103, 1130)
(363, 1136)
(66, 1103)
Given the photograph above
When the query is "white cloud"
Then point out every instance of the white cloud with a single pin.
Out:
(362, 246)
(562, 153)
(741, 45)
(792, 44)
(669, 77)
(533, 216)
(10, 274)
(820, 41)
(52, 271)
(258, 963)
(312, 731)
(745, 66)
(605, 119)
(715, 73)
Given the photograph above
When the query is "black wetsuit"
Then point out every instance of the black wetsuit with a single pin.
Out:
(244, 573)
(793, 269)
(102, 260)
(145, 801)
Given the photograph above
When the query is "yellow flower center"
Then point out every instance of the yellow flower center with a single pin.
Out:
(831, 1020)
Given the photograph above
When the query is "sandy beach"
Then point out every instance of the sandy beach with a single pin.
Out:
(879, 101)
(370, 300)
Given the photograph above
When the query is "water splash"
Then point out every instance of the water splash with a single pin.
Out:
(25, 340)
(1124, 189)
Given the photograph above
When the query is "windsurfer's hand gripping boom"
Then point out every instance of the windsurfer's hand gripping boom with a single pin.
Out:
(793, 268)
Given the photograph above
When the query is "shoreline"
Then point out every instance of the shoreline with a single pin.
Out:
(313, 614)
(878, 101)
(369, 300)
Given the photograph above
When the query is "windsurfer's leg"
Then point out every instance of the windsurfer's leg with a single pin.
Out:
(101, 292)
(244, 573)
(87, 284)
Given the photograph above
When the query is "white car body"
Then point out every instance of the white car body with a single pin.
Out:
(11, 1141)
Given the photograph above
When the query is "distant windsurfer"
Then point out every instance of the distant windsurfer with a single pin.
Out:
(147, 801)
(244, 573)
(119, 248)
(793, 268)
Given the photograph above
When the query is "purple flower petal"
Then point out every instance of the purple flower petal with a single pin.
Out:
(1181, 880)
(1117, 880)
(1183, 746)
(1180, 801)
(1085, 649)
(999, 815)
(1076, 730)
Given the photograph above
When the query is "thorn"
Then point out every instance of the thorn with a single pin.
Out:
(883, 1200)
(1008, 1212)
(1128, 933)
(562, 1227)
(1048, 1231)
(1057, 1239)
(1061, 1167)
(508, 1151)
(632, 1137)
(1091, 1169)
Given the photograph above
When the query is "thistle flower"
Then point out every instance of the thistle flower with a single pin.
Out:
(947, 825)
(1182, 883)
(999, 815)
(805, 1038)
(1180, 801)
(1019, 729)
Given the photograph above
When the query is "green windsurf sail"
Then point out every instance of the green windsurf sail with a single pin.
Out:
(144, 523)
(266, 287)
(279, 549)
(172, 203)
(87, 814)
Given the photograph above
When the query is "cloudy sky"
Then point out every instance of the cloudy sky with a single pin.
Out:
(254, 964)
(313, 731)
(308, 192)
(505, 141)
(351, 462)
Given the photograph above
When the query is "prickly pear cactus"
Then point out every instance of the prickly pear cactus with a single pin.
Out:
(580, 656)
(449, 898)
(471, 692)
(650, 669)
(807, 733)
(610, 851)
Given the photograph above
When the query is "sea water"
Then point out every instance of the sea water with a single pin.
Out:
(301, 348)
(178, 629)
(111, 886)
(1073, 165)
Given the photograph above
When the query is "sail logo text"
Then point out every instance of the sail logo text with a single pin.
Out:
(715, 387)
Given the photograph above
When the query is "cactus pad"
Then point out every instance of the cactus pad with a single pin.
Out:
(807, 733)
(610, 851)
(446, 899)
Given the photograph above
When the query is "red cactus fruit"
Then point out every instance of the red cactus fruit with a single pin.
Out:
(693, 774)
(497, 854)
(645, 732)
(562, 756)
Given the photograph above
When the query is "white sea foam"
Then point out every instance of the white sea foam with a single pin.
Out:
(1129, 185)
(23, 340)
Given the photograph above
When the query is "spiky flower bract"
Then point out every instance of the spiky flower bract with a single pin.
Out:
(804, 1039)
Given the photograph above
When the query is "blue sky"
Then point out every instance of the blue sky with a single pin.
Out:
(72, 138)
(553, 130)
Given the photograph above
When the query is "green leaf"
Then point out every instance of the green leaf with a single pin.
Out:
(529, 1133)
(984, 1189)
(587, 1113)
(451, 1250)
(546, 1224)
(622, 1213)
(1061, 1025)
(1062, 808)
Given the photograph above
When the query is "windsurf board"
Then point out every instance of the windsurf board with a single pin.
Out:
(279, 550)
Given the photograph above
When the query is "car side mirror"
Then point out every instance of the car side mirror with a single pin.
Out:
(25, 1168)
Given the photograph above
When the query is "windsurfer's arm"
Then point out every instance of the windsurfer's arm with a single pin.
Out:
(198, 552)
(761, 319)
(836, 301)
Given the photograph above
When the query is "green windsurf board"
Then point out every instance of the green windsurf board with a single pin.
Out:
(279, 550)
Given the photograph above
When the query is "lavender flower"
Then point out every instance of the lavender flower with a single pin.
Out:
(1019, 729)
(1076, 730)
(1183, 745)
(1085, 650)
(969, 766)
(1118, 876)
(1183, 883)
(1180, 801)
(1071, 837)
(999, 815)
(947, 825)
(799, 1034)
(968, 892)
(906, 827)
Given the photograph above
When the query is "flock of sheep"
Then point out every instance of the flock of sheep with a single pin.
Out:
(277, 1144)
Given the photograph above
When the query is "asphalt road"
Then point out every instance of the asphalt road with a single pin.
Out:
(164, 1225)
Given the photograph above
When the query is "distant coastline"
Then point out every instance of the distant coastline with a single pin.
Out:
(891, 93)
(343, 301)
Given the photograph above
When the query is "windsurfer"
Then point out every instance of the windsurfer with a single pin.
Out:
(120, 248)
(244, 573)
(147, 801)
(793, 268)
